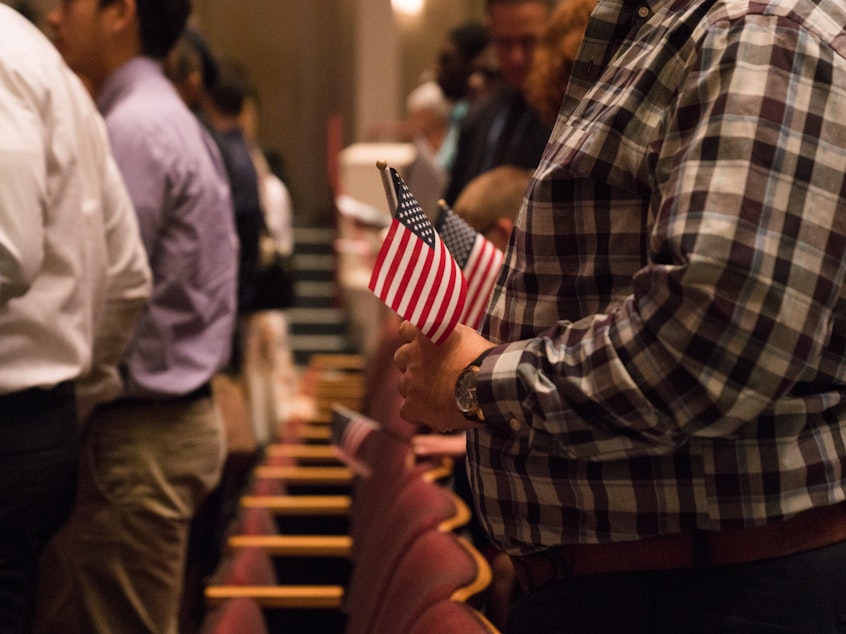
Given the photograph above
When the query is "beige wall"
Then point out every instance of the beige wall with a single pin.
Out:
(421, 37)
(313, 58)
(299, 58)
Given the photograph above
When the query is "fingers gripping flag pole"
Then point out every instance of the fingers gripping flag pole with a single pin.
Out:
(414, 274)
(479, 259)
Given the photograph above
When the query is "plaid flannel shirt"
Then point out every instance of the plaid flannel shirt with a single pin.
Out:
(671, 310)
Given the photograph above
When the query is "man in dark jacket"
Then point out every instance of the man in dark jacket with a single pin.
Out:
(504, 130)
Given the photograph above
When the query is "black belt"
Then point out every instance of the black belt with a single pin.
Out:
(204, 391)
(37, 399)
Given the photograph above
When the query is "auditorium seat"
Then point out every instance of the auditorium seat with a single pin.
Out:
(289, 453)
(439, 565)
(240, 615)
(452, 617)
(419, 506)
(381, 400)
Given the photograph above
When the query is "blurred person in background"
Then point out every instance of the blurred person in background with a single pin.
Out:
(553, 60)
(504, 129)
(457, 60)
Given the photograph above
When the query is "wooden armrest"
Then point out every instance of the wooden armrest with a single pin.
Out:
(279, 596)
(296, 545)
(339, 361)
(313, 432)
(439, 471)
(461, 517)
(342, 387)
(483, 577)
(301, 504)
(305, 474)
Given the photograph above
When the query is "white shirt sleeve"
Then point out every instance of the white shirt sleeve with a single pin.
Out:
(22, 220)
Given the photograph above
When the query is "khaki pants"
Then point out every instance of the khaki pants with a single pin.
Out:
(118, 565)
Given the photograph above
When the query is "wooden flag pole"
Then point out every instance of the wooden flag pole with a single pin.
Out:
(389, 187)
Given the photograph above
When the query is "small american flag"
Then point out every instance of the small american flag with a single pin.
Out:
(478, 258)
(415, 274)
(349, 431)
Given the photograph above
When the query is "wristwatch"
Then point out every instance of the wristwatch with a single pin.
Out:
(465, 391)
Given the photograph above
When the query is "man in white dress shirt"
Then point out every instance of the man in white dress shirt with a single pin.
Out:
(73, 277)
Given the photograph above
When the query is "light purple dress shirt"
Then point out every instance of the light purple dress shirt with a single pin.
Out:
(177, 182)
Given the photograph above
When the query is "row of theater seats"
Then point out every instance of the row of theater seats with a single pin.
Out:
(342, 529)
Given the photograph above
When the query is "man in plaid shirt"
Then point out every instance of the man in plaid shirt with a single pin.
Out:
(656, 410)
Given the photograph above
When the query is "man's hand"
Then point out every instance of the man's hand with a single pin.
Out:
(429, 373)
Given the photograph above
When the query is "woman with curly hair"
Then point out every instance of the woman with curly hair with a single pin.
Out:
(554, 57)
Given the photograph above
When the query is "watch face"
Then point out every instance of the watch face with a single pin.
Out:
(465, 391)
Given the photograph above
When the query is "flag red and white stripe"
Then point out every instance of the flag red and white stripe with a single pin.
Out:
(415, 274)
(349, 431)
(481, 272)
(479, 259)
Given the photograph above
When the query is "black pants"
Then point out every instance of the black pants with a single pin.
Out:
(802, 594)
(38, 467)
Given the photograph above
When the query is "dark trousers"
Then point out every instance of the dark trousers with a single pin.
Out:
(38, 467)
(802, 594)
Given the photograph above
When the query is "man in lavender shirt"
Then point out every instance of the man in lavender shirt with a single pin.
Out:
(151, 456)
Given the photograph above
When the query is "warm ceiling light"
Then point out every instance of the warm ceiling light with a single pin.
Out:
(407, 7)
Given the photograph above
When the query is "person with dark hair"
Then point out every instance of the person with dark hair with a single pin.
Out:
(222, 112)
(504, 129)
(153, 454)
(457, 57)
(73, 278)
(456, 63)
(192, 67)
(215, 88)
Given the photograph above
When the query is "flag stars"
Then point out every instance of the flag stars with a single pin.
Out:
(411, 215)
(458, 236)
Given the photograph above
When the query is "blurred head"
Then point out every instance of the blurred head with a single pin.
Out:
(192, 68)
(515, 27)
(427, 113)
(231, 88)
(98, 36)
(427, 105)
(554, 57)
(161, 23)
(490, 202)
(457, 56)
(485, 77)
